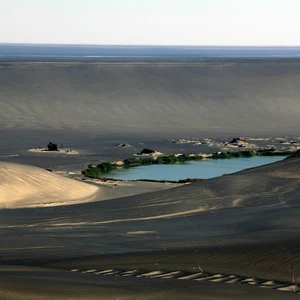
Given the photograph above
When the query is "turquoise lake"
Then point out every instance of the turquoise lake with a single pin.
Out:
(207, 168)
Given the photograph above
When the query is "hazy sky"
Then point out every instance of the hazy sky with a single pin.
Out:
(151, 22)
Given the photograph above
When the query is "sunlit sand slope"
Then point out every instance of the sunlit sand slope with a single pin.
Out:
(28, 186)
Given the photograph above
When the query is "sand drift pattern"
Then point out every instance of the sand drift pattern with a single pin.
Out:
(200, 276)
(157, 98)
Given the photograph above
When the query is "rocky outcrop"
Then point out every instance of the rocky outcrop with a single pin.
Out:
(147, 151)
(52, 147)
(239, 142)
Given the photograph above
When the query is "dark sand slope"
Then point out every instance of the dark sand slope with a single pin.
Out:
(47, 284)
(241, 229)
(151, 98)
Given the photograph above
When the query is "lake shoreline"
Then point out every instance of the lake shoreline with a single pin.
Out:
(96, 171)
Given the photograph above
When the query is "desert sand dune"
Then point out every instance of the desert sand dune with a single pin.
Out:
(34, 283)
(197, 276)
(219, 211)
(215, 98)
(28, 186)
(232, 236)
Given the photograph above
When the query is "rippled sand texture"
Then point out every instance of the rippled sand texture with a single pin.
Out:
(232, 237)
(159, 98)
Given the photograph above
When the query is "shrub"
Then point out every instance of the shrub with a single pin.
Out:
(147, 161)
(183, 158)
(132, 162)
(106, 167)
(91, 172)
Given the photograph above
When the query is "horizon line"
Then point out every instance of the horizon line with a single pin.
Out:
(152, 45)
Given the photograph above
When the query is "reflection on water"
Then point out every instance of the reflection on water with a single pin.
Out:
(207, 168)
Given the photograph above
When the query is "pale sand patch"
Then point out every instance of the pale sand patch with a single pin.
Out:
(111, 189)
(118, 162)
(154, 154)
(284, 174)
(156, 217)
(238, 202)
(60, 151)
(140, 232)
(28, 186)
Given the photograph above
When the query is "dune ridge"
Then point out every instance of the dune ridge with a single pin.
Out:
(231, 237)
(28, 186)
(211, 97)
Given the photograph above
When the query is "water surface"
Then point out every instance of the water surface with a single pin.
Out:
(207, 168)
